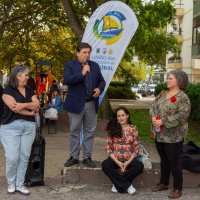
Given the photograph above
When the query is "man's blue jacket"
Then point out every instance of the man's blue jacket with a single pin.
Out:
(76, 95)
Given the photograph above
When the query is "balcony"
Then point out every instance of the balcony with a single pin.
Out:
(179, 38)
(196, 63)
(180, 12)
(174, 63)
(178, 35)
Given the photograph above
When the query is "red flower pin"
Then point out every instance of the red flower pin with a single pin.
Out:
(173, 99)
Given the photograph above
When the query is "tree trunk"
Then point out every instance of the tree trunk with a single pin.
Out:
(105, 111)
(4, 19)
(72, 18)
(151, 75)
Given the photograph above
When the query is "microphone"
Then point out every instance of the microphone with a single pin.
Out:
(87, 63)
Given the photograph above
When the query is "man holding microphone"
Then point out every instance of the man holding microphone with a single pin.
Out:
(85, 84)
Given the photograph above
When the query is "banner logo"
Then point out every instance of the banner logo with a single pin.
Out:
(110, 27)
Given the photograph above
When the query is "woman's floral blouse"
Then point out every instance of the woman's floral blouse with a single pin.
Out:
(124, 147)
(174, 113)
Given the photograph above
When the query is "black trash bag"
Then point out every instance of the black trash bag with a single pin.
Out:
(190, 157)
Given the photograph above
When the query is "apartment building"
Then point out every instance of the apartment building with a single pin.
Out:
(196, 41)
(184, 21)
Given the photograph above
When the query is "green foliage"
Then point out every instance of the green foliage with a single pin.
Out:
(159, 88)
(39, 29)
(120, 92)
(193, 92)
(130, 72)
(141, 119)
(193, 132)
(151, 42)
(35, 30)
(118, 84)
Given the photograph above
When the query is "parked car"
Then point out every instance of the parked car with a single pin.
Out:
(151, 89)
(143, 91)
(135, 88)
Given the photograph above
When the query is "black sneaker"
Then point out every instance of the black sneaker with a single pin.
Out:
(72, 161)
(89, 163)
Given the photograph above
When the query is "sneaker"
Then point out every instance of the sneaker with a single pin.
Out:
(72, 161)
(89, 163)
(113, 189)
(23, 190)
(175, 194)
(11, 189)
(131, 190)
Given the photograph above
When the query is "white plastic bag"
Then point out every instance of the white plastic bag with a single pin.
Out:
(51, 113)
(145, 157)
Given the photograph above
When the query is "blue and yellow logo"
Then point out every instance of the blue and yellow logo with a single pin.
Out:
(110, 27)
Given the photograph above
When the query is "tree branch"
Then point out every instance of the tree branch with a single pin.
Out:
(5, 17)
(91, 4)
(72, 18)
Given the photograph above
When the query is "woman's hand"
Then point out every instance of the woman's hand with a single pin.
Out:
(16, 107)
(157, 123)
(121, 165)
(153, 119)
(125, 165)
(32, 113)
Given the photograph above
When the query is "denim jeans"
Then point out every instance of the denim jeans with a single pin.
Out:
(17, 138)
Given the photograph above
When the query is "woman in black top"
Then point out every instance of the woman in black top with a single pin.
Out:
(18, 127)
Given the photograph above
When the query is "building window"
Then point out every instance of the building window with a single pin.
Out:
(194, 38)
(198, 35)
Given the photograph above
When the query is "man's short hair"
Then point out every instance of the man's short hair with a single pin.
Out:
(83, 45)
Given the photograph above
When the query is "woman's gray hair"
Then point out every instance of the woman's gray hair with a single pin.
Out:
(181, 78)
(19, 69)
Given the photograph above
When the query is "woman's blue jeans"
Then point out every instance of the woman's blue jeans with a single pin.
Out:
(17, 138)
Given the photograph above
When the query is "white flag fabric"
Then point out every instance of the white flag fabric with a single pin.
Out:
(109, 31)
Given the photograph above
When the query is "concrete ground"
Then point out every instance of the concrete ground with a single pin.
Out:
(58, 187)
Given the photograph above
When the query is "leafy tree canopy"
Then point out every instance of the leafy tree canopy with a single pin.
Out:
(49, 29)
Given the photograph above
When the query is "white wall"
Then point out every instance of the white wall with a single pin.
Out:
(187, 33)
(186, 25)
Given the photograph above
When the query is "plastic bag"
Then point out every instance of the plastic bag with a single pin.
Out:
(145, 157)
(51, 113)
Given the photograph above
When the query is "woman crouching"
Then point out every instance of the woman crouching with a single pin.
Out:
(122, 147)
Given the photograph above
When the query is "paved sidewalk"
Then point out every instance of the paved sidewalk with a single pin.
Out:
(57, 188)
(57, 150)
(143, 103)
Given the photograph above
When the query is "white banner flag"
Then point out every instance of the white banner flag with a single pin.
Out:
(109, 31)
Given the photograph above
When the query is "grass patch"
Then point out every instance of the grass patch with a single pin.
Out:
(141, 119)
(193, 133)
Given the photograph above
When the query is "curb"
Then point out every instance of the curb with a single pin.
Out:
(149, 178)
